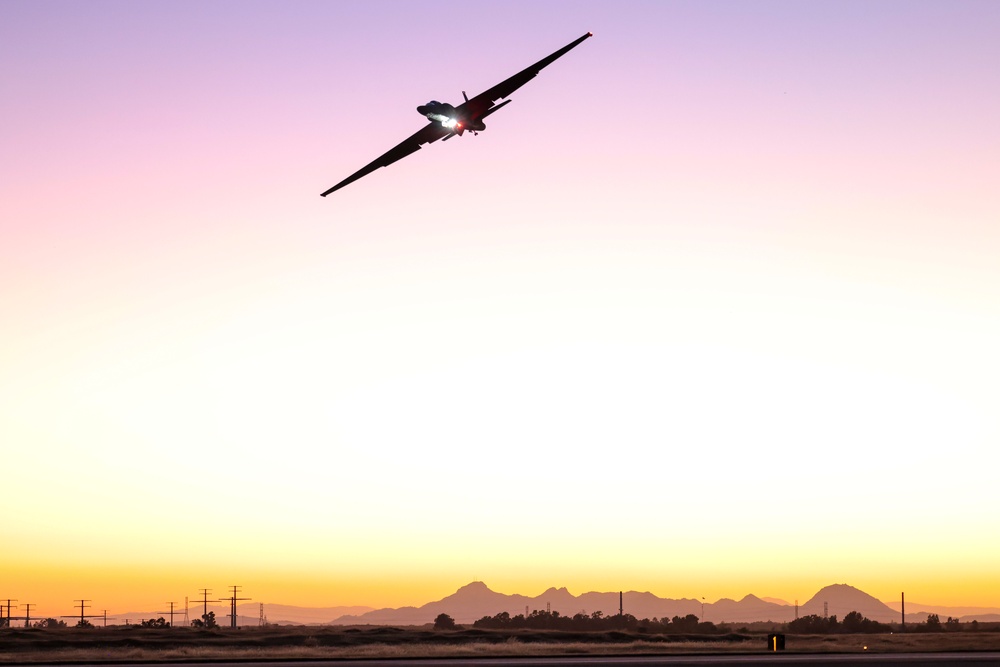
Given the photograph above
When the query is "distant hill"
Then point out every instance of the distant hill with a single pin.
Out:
(777, 601)
(840, 599)
(474, 601)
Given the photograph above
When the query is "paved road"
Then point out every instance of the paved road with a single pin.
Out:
(779, 659)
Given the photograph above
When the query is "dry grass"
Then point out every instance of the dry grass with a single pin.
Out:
(135, 644)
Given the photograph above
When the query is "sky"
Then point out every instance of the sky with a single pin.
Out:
(711, 308)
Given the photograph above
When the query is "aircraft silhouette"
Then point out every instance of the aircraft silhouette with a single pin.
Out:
(446, 120)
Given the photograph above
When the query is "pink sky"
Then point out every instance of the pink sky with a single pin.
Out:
(721, 284)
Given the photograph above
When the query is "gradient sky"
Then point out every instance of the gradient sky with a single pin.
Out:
(712, 308)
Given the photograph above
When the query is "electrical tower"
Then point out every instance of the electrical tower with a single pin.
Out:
(84, 616)
(263, 619)
(232, 604)
(8, 613)
(826, 610)
(204, 596)
(187, 622)
(171, 612)
(27, 613)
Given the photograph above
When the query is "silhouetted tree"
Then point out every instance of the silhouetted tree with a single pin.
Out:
(155, 623)
(813, 624)
(687, 624)
(444, 622)
(596, 621)
(855, 622)
(49, 623)
(83, 623)
(933, 623)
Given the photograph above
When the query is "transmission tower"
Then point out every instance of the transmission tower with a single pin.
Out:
(171, 612)
(27, 613)
(232, 604)
(204, 596)
(8, 613)
(84, 616)
(187, 623)
(263, 619)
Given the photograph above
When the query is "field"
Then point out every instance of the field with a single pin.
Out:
(20, 646)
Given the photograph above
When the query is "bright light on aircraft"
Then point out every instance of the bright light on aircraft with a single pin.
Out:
(449, 123)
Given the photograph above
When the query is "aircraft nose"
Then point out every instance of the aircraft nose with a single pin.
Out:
(422, 110)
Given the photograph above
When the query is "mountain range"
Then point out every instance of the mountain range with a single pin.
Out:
(476, 600)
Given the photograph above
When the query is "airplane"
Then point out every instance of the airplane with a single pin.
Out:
(446, 120)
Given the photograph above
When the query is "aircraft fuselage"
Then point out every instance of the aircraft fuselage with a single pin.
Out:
(450, 117)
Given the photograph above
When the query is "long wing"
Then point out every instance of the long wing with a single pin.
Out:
(427, 134)
(481, 103)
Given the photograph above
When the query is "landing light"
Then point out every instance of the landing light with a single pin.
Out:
(450, 123)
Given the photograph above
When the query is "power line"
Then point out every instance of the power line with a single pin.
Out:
(232, 604)
(8, 613)
(27, 613)
(171, 612)
(204, 596)
(83, 616)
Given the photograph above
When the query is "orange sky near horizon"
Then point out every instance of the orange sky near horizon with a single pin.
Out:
(710, 309)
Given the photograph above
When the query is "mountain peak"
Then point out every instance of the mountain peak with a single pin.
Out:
(475, 586)
(841, 599)
(476, 590)
(842, 591)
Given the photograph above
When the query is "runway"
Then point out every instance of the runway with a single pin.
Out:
(780, 659)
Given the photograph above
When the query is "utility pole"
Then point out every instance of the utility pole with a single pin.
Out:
(187, 623)
(84, 616)
(82, 607)
(204, 595)
(27, 613)
(171, 612)
(232, 604)
(902, 601)
(8, 613)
